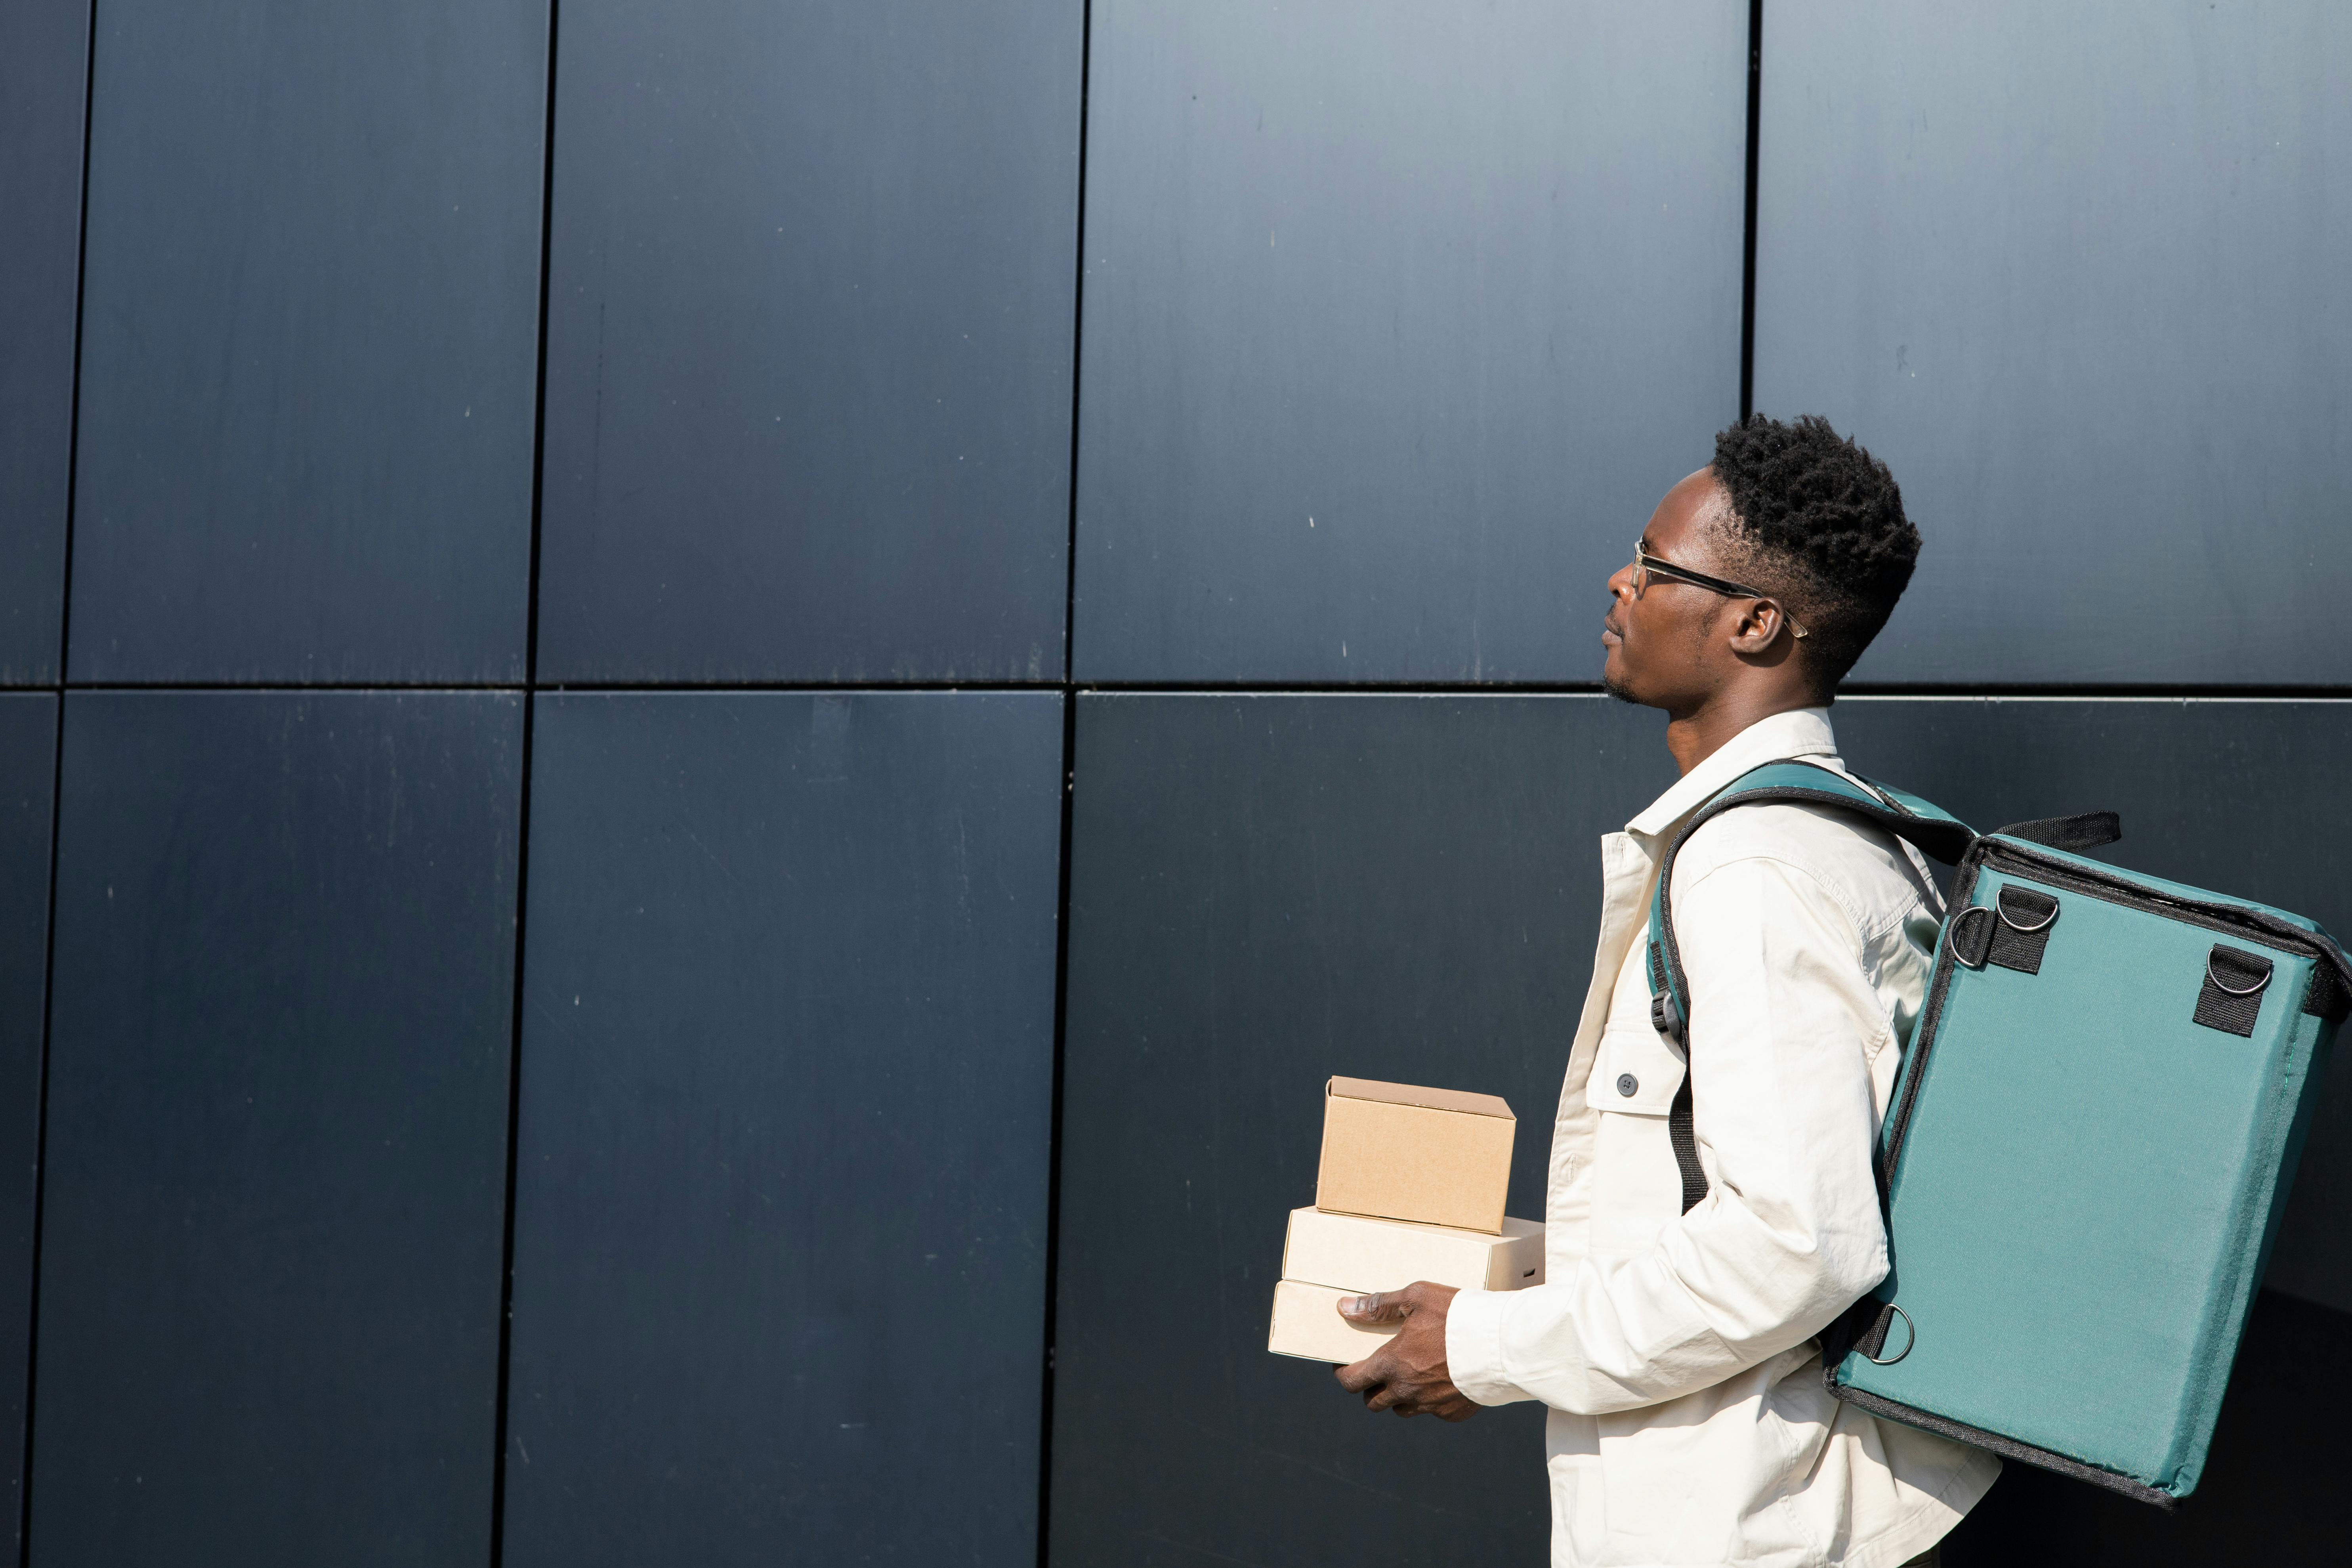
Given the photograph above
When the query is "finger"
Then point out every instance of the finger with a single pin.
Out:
(1358, 1376)
(1389, 1306)
(1384, 1398)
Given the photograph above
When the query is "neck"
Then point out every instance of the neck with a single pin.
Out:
(1697, 734)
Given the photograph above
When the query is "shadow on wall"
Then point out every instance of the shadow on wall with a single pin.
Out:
(2277, 1455)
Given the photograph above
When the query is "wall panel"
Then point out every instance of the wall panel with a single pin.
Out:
(787, 1079)
(276, 1128)
(43, 59)
(1265, 891)
(2077, 275)
(808, 392)
(1399, 318)
(28, 735)
(309, 342)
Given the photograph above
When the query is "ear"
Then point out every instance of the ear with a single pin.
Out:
(1762, 625)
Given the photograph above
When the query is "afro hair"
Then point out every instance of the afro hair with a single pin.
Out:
(1819, 521)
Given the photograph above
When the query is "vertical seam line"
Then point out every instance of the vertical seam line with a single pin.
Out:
(1747, 238)
(57, 808)
(1069, 785)
(502, 1396)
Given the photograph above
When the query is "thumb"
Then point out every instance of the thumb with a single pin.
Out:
(1390, 1307)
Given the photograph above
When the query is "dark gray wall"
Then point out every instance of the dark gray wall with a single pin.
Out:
(1460, 285)
(781, 1228)
(2078, 276)
(308, 342)
(808, 378)
(28, 737)
(1399, 318)
(1265, 890)
(42, 74)
(275, 1198)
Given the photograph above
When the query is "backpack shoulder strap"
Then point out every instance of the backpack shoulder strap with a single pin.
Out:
(1936, 832)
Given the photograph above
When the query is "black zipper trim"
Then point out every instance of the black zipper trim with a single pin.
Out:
(1923, 1038)
(2229, 919)
(2007, 1448)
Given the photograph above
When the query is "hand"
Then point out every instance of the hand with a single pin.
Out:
(1408, 1373)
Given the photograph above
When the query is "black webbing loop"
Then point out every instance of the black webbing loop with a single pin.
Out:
(2023, 916)
(2231, 997)
(2088, 830)
(1872, 1343)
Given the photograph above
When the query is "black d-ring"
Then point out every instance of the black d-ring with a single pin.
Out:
(1959, 947)
(1910, 1331)
(2001, 909)
(2221, 984)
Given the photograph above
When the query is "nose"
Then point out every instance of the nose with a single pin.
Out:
(1621, 583)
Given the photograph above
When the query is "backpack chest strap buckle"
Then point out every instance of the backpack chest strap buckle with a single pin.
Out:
(1664, 1016)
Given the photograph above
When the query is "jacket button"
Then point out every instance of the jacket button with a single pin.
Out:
(1627, 1083)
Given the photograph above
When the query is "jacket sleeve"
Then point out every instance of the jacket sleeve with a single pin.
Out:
(1783, 1017)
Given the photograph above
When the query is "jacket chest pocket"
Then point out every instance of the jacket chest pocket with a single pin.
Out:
(1637, 1188)
(1634, 1072)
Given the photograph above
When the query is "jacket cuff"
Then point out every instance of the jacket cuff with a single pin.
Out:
(1474, 1347)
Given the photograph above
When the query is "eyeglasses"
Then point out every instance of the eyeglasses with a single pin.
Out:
(1647, 566)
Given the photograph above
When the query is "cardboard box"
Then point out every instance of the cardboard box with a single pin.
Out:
(1307, 1322)
(1351, 1252)
(1434, 1156)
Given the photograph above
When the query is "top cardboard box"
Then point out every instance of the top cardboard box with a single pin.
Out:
(1433, 1156)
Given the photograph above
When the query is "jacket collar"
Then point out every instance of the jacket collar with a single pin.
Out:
(1801, 732)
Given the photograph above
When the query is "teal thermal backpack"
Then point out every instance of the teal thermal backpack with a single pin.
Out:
(2089, 1145)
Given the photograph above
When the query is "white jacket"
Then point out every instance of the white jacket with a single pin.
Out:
(1688, 1421)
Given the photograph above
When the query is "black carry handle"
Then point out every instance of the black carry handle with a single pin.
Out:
(2087, 830)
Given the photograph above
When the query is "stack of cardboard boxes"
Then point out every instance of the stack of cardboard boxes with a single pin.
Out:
(1411, 1187)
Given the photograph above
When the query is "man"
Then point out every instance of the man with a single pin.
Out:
(1689, 1424)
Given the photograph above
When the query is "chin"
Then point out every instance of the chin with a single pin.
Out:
(1613, 682)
